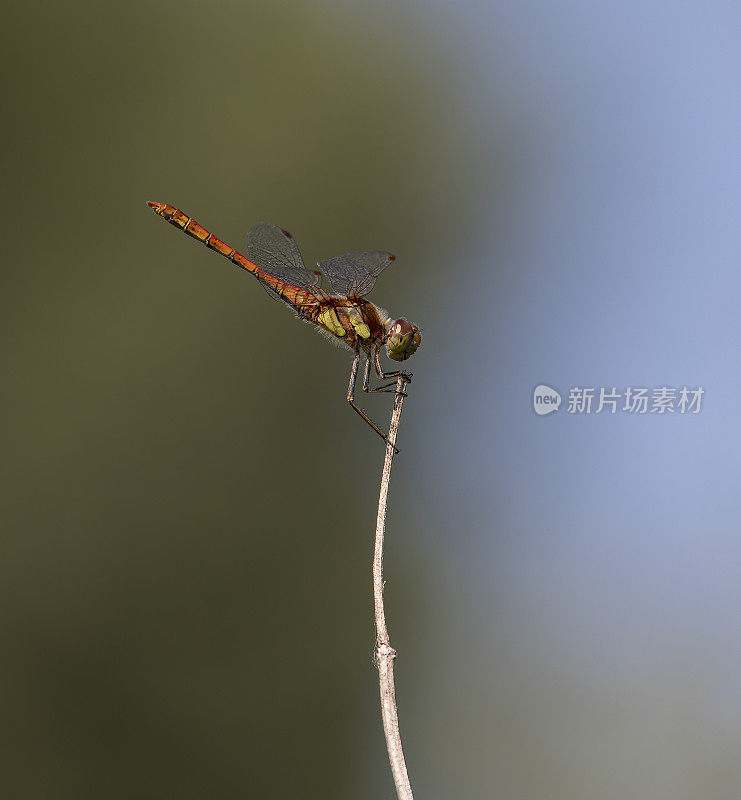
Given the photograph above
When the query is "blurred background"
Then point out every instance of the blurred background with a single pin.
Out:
(188, 504)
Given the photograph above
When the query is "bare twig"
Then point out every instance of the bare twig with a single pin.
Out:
(385, 654)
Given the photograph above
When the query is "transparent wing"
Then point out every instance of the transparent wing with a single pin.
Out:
(354, 274)
(275, 250)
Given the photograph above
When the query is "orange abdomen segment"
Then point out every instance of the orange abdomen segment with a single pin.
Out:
(188, 225)
(293, 295)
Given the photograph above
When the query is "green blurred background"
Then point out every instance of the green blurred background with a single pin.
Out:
(186, 569)
(187, 502)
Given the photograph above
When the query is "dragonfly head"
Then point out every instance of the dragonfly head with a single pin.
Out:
(402, 340)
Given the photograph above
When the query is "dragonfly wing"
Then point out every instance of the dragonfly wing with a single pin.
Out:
(275, 251)
(354, 274)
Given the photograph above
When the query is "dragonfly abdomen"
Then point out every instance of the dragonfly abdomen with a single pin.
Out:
(299, 299)
(188, 225)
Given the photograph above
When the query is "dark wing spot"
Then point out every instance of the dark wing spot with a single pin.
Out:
(287, 233)
(392, 258)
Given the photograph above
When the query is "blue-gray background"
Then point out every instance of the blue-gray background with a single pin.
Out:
(190, 505)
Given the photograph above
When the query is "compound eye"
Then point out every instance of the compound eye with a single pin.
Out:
(403, 339)
(401, 328)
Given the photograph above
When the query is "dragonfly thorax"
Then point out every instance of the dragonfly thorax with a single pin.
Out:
(357, 322)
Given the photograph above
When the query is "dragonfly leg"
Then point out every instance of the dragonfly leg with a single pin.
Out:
(351, 398)
(387, 387)
(383, 375)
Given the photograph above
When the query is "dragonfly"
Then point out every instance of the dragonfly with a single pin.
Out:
(343, 313)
